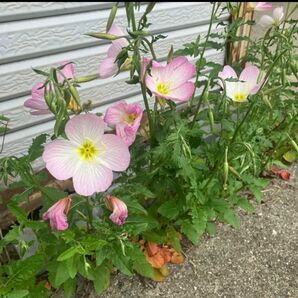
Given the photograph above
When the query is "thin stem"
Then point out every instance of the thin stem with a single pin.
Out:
(203, 50)
(199, 105)
(151, 48)
(148, 113)
(241, 123)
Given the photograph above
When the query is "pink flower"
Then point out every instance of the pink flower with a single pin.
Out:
(108, 67)
(239, 89)
(278, 15)
(37, 102)
(88, 156)
(126, 118)
(172, 80)
(57, 214)
(67, 71)
(119, 209)
(258, 6)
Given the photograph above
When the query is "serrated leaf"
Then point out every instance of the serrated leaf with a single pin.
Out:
(169, 209)
(230, 218)
(245, 205)
(102, 278)
(211, 228)
(36, 148)
(188, 229)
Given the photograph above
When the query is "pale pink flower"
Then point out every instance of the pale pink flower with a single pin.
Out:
(275, 20)
(172, 80)
(37, 103)
(239, 89)
(126, 118)
(258, 6)
(119, 209)
(108, 67)
(57, 214)
(67, 71)
(88, 156)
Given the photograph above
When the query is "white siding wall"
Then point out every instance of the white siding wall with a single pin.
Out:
(42, 34)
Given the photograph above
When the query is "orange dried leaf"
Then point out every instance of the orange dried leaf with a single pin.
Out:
(177, 258)
(156, 261)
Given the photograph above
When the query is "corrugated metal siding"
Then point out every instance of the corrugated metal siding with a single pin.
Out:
(42, 34)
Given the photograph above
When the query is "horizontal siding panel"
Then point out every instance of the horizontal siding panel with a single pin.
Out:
(98, 91)
(16, 79)
(12, 11)
(40, 37)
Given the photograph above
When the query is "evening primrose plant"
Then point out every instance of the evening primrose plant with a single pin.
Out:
(143, 179)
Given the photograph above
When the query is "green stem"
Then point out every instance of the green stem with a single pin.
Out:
(199, 105)
(203, 50)
(148, 113)
(241, 123)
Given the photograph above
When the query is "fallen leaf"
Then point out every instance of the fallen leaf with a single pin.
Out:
(177, 258)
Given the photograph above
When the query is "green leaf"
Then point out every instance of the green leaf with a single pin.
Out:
(140, 264)
(211, 228)
(191, 233)
(36, 149)
(120, 261)
(61, 274)
(169, 209)
(102, 278)
(173, 238)
(230, 218)
(23, 270)
(18, 294)
(72, 265)
(68, 254)
(245, 205)
(18, 212)
(69, 287)
(100, 255)
(257, 192)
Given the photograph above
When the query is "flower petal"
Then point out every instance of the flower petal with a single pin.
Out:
(116, 156)
(61, 159)
(182, 93)
(116, 30)
(91, 178)
(126, 133)
(278, 13)
(67, 71)
(179, 71)
(266, 21)
(115, 113)
(107, 68)
(260, 6)
(250, 75)
(83, 126)
(227, 72)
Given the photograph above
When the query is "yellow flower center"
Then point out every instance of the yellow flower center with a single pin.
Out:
(163, 88)
(239, 96)
(87, 150)
(130, 118)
